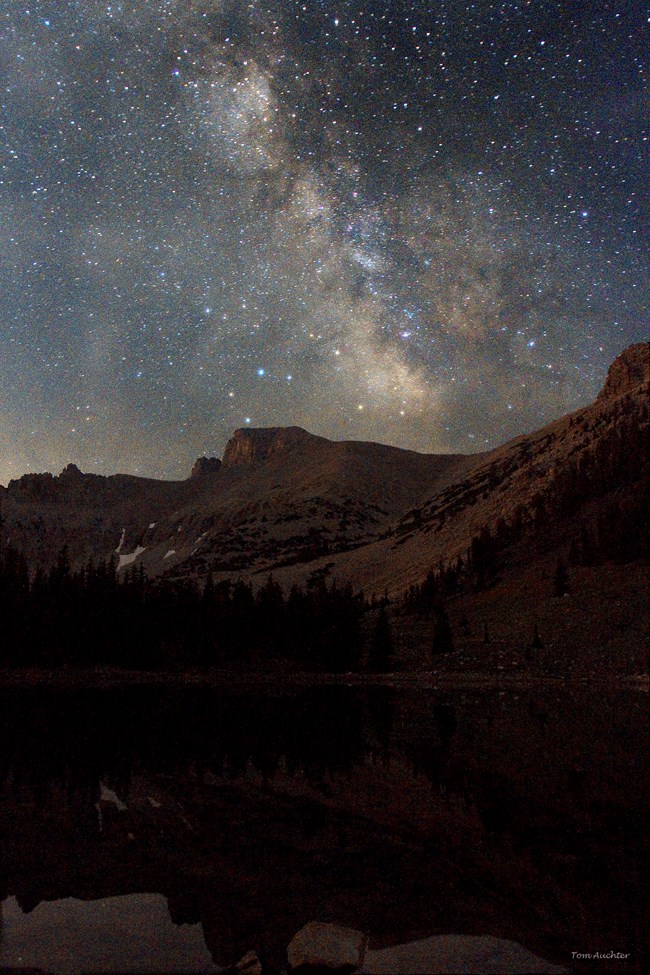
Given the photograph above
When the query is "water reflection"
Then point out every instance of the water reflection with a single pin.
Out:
(519, 815)
(71, 936)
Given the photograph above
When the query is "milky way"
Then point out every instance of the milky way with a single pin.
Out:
(406, 222)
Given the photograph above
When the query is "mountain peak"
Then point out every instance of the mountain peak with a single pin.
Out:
(628, 371)
(250, 445)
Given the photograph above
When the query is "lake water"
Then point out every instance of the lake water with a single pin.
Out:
(165, 829)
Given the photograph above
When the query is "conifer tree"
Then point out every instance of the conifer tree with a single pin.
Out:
(381, 645)
(561, 579)
(342, 630)
(443, 640)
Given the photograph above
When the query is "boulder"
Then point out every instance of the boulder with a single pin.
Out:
(248, 965)
(327, 946)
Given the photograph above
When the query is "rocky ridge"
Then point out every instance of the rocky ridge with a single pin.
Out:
(279, 495)
(286, 501)
(567, 468)
(253, 445)
(628, 372)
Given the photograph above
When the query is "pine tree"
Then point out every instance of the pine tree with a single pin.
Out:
(209, 591)
(269, 612)
(561, 579)
(443, 640)
(341, 629)
(381, 645)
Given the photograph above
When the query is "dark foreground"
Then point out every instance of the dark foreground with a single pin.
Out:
(509, 810)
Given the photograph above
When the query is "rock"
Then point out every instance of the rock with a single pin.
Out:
(70, 471)
(205, 466)
(248, 965)
(327, 946)
(628, 371)
(36, 487)
(252, 445)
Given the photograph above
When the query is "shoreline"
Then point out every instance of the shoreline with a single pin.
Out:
(111, 679)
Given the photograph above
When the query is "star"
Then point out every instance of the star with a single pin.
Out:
(314, 196)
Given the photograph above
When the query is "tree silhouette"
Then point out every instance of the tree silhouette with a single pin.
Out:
(381, 644)
(443, 641)
(561, 579)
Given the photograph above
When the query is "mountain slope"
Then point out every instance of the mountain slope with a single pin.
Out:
(279, 495)
(377, 516)
(284, 496)
(542, 484)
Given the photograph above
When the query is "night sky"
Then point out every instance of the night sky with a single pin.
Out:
(418, 223)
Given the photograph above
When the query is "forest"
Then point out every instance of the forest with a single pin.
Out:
(70, 617)
(97, 617)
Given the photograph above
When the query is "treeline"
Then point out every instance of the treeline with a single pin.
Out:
(618, 532)
(97, 617)
(602, 490)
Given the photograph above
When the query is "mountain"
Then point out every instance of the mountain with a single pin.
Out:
(546, 486)
(279, 496)
(508, 532)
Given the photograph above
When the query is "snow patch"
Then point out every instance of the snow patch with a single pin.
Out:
(128, 559)
(119, 547)
(172, 551)
(107, 795)
(154, 802)
(152, 525)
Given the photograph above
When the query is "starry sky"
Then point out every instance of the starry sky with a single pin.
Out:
(417, 223)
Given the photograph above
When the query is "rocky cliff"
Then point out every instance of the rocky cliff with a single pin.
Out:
(205, 467)
(253, 445)
(629, 372)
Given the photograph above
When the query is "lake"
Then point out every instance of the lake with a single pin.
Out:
(172, 829)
